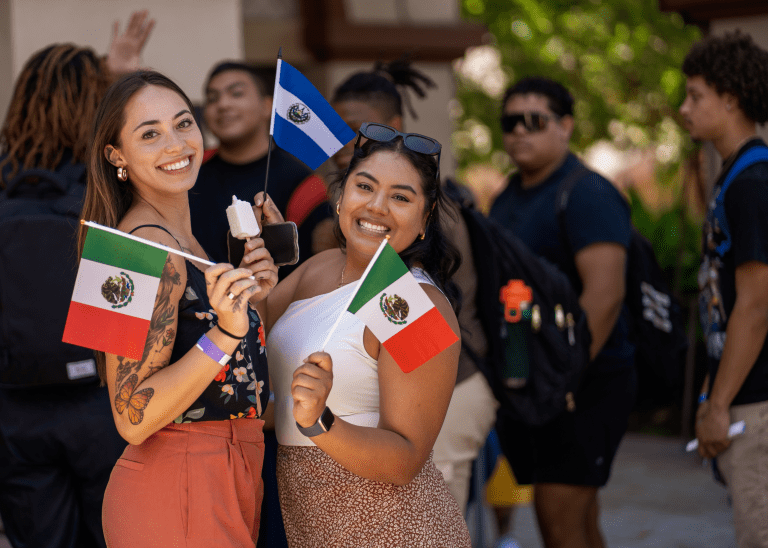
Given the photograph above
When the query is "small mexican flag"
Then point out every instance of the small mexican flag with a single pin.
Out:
(399, 313)
(114, 293)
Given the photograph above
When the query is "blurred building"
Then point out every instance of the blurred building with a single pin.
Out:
(326, 39)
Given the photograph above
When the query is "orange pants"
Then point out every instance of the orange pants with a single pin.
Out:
(188, 485)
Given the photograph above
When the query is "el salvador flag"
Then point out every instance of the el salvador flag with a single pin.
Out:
(303, 123)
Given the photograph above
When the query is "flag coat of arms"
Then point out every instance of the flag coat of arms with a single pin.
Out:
(392, 304)
(114, 294)
(303, 122)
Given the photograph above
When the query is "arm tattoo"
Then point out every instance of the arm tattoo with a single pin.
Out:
(135, 401)
(159, 332)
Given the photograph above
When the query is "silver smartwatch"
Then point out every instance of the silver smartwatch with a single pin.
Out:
(322, 425)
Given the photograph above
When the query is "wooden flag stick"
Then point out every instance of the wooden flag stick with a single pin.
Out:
(357, 288)
(148, 242)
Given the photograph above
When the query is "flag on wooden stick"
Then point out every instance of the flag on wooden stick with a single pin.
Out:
(115, 292)
(392, 304)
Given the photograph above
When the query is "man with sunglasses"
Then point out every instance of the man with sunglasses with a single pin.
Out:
(569, 459)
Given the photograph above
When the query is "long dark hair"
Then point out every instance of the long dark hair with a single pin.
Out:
(52, 108)
(107, 198)
(435, 253)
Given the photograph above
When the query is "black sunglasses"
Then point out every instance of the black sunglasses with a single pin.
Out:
(412, 141)
(532, 121)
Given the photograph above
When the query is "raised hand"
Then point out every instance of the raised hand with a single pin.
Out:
(125, 50)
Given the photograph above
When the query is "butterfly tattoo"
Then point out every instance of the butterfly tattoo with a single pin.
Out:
(136, 402)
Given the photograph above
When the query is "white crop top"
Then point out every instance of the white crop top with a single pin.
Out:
(299, 332)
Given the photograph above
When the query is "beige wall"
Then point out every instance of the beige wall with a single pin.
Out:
(189, 36)
(6, 50)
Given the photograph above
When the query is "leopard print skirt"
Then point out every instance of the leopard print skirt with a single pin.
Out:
(324, 505)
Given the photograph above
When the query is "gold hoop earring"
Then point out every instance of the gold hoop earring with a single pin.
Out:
(122, 174)
(338, 208)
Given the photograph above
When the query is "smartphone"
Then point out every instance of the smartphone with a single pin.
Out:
(280, 239)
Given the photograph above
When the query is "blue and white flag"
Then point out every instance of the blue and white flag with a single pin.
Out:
(303, 122)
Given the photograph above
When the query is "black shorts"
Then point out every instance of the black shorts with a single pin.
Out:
(575, 448)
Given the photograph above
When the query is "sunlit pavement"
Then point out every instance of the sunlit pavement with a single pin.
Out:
(658, 497)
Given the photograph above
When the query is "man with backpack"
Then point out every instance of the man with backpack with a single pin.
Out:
(726, 90)
(58, 442)
(569, 458)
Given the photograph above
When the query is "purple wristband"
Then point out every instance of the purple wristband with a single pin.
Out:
(210, 349)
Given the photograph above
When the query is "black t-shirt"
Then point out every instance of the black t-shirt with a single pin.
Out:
(596, 213)
(219, 180)
(735, 233)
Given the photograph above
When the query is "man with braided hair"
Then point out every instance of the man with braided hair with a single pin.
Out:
(379, 96)
(726, 96)
(58, 442)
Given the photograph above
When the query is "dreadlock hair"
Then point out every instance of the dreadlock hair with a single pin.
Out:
(386, 87)
(52, 109)
(733, 63)
(435, 253)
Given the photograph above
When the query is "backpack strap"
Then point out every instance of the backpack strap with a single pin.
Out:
(309, 195)
(161, 228)
(751, 157)
(564, 191)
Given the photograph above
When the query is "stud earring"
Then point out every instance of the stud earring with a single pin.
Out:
(338, 208)
(421, 237)
(122, 174)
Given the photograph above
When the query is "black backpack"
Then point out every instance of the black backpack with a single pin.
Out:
(657, 325)
(552, 331)
(39, 212)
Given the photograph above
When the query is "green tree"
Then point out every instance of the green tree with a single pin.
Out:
(621, 60)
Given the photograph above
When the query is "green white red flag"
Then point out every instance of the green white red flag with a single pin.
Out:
(114, 293)
(392, 304)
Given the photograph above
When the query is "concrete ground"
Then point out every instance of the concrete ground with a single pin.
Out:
(658, 496)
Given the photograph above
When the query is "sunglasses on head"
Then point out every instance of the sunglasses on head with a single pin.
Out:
(532, 121)
(412, 141)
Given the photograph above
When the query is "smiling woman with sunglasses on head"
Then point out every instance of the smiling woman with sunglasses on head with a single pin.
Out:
(359, 471)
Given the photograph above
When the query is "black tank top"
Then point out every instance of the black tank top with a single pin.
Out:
(241, 389)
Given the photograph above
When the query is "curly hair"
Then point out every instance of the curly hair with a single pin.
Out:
(733, 63)
(435, 253)
(52, 109)
(386, 87)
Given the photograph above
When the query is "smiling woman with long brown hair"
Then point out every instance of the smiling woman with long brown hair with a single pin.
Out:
(190, 406)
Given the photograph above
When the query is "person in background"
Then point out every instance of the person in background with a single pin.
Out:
(569, 459)
(238, 110)
(726, 96)
(58, 443)
(190, 406)
(379, 96)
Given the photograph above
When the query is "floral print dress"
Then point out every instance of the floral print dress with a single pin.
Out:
(241, 388)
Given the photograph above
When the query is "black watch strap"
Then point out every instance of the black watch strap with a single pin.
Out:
(322, 425)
